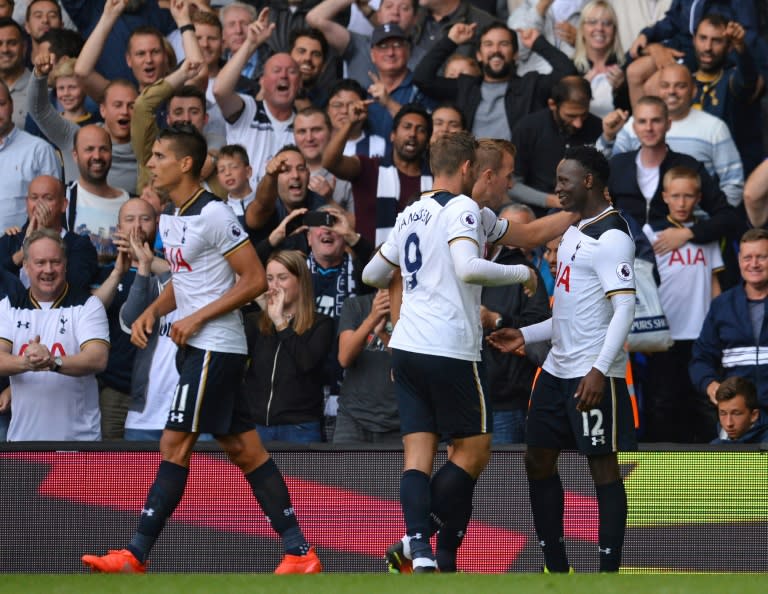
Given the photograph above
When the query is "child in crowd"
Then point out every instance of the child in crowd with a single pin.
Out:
(675, 412)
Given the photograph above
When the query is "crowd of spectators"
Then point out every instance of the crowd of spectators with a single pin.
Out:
(318, 116)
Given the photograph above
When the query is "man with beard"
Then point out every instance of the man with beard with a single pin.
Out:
(93, 211)
(542, 137)
(383, 187)
(309, 50)
(729, 91)
(116, 109)
(494, 102)
(93, 203)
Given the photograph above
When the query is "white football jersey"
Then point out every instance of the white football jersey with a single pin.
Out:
(260, 133)
(49, 406)
(686, 284)
(196, 241)
(594, 262)
(440, 314)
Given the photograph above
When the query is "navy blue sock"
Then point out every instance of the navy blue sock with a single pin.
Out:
(452, 491)
(163, 497)
(548, 508)
(612, 509)
(272, 494)
(415, 501)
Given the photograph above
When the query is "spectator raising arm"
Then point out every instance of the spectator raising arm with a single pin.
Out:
(229, 101)
(756, 196)
(321, 18)
(334, 160)
(85, 67)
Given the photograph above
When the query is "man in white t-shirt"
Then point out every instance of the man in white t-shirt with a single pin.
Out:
(261, 126)
(94, 204)
(53, 341)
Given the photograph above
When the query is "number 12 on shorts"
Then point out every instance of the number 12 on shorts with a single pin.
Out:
(595, 418)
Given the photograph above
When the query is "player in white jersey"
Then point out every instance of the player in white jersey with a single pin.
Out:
(53, 341)
(437, 243)
(215, 271)
(581, 399)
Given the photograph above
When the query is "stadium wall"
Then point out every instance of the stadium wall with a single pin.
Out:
(703, 510)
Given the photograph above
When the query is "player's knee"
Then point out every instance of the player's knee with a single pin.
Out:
(177, 447)
(539, 466)
(604, 469)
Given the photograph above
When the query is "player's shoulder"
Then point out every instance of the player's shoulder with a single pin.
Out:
(202, 200)
(609, 220)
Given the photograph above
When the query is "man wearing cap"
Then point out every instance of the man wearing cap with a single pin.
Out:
(392, 84)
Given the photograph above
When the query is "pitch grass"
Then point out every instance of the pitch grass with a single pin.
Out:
(380, 584)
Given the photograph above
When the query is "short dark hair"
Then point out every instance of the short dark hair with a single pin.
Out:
(450, 151)
(33, 2)
(63, 42)
(312, 110)
(348, 84)
(413, 108)
(9, 22)
(454, 107)
(592, 160)
(713, 18)
(186, 141)
(737, 386)
(289, 148)
(145, 30)
(189, 91)
(497, 25)
(235, 150)
(572, 88)
(312, 34)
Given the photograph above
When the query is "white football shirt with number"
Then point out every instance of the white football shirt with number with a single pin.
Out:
(440, 314)
(196, 243)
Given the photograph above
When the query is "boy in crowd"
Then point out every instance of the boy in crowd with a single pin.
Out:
(675, 411)
(738, 412)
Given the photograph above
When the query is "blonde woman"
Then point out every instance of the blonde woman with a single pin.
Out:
(600, 59)
(288, 345)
